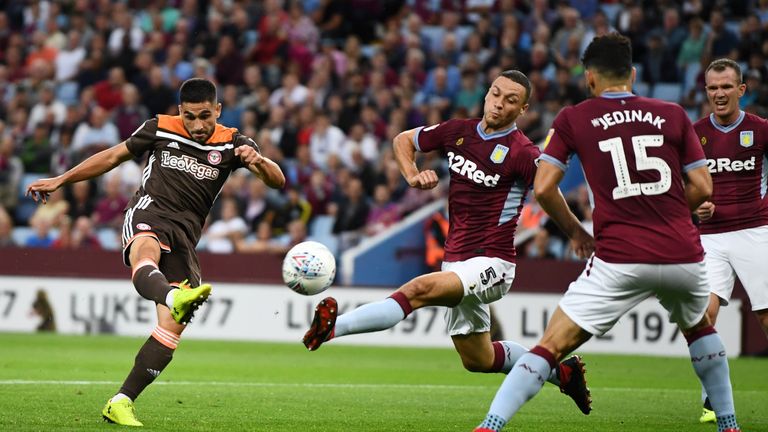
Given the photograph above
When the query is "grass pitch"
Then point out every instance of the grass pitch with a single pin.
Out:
(54, 382)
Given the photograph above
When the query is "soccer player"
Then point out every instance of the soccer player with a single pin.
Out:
(190, 158)
(734, 223)
(636, 154)
(492, 165)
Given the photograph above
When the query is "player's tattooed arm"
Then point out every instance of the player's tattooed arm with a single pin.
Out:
(94, 166)
(405, 155)
(263, 167)
(548, 194)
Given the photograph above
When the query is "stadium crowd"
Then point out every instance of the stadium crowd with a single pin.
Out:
(322, 86)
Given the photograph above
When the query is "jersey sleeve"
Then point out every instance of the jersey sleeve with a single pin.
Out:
(527, 163)
(692, 155)
(143, 139)
(242, 140)
(558, 146)
(433, 137)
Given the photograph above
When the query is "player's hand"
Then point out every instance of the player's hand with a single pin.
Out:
(705, 211)
(40, 189)
(583, 243)
(249, 155)
(424, 180)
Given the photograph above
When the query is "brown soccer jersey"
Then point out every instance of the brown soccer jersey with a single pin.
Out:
(182, 177)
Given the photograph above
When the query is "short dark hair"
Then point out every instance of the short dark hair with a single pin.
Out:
(722, 64)
(520, 78)
(196, 90)
(609, 55)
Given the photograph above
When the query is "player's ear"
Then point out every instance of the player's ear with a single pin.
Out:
(742, 89)
(633, 75)
(218, 109)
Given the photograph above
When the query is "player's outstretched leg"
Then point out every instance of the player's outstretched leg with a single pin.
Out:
(121, 412)
(186, 300)
(711, 365)
(367, 318)
(323, 324)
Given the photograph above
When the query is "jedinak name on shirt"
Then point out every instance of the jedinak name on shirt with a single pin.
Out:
(190, 165)
(627, 116)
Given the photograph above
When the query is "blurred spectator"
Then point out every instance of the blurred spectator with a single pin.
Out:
(109, 93)
(125, 36)
(222, 232)
(721, 41)
(11, 171)
(6, 229)
(109, 208)
(130, 114)
(539, 246)
(79, 235)
(228, 62)
(231, 112)
(97, 134)
(158, 96)
(657, 65)
(36, 151)
(318, 191)
(291, 95)
(257, 205)
(176, 68)
(80, 196)
(296, 233)
(48, 111)
(294, 207)
(69, 57)
(383, 212)
(693, 46)
(326, 140)
(352, 210)
(42, 237)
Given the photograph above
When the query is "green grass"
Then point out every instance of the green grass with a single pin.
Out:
(238, 386)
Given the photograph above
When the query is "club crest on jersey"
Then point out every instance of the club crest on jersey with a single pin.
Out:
(143, 227)
(746, 138)
(214, 157)
(499, 153)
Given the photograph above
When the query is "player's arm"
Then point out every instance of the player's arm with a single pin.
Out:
(405, 154)
(94, 166)
(551, 200)
(264, 168)
(698, 186)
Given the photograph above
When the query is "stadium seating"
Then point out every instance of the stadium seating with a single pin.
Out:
(667, 92)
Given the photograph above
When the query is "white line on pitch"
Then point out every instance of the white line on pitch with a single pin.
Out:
(332, 385)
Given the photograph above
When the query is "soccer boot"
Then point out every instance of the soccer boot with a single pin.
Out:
(707, 413)
(572, 382)
(322, 324)
(186, 300)
(121, 412)
(707, 416)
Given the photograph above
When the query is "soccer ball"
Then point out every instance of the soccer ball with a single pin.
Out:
(309, 268)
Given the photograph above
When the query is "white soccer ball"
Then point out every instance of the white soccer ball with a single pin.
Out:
(309, 268)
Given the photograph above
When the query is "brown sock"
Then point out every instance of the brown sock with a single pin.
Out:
(150, 282)
(152, 358)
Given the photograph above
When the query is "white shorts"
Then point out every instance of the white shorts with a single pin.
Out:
(485, 280)
(605, 291)
(739, 253)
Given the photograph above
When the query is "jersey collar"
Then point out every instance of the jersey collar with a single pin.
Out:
(616, 95)
(498, 134)
(730, 127)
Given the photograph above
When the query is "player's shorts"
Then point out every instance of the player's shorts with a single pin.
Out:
(604, 292)
(485, 280)
(178, 260)
(739, 253)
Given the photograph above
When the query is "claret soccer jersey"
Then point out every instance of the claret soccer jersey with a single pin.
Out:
(736, 157)
(634, 151)
(183, 177)
(490, 175)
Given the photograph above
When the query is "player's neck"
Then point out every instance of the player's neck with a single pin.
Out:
(729, 119)
(489, 130)
(615, 88)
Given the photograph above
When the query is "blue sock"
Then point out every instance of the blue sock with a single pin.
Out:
(493, 422)
(513, 351)
(521, 384)
(711, 365)
(370, 317)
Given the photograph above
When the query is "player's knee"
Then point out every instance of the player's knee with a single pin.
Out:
(476, 364)
(416, 289)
